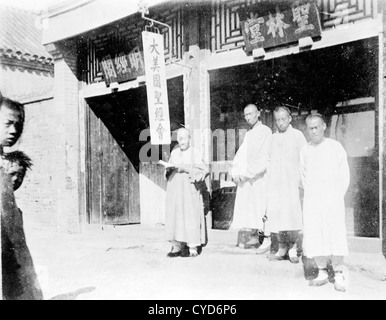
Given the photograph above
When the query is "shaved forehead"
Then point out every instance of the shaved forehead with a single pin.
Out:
(283, 109)
(251, 107)
(316, 116)
(183, 132)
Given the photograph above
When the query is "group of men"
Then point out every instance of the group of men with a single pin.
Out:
(272, 172)
(19, 279)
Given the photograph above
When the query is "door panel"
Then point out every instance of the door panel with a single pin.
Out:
(113, 181)
(94, 169)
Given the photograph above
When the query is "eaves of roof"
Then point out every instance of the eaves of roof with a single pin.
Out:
(71, 18)
(21, 36)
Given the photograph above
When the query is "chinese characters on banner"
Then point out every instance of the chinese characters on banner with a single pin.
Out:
(123, 67)
(281, 25)
(156, 85)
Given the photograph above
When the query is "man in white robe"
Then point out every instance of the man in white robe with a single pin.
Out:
(185, 219)
(325, 175)
(284, 207)
(248, 171)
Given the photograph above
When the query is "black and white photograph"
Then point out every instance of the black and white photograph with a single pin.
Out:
(193, 154)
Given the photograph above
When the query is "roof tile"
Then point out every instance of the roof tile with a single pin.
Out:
(20, 34)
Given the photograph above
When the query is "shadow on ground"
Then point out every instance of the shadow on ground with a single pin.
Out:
(74, 295)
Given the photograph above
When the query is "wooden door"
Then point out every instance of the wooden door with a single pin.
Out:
(113, 182)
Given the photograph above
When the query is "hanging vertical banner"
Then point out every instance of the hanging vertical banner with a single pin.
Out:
(156, 85)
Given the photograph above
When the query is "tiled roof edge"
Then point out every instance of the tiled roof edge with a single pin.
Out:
(9, 53)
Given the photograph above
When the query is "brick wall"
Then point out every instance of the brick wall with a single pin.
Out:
(38, 195)
(67, 106)
(26, 85)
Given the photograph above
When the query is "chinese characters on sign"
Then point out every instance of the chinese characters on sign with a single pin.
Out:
(301, 15)
(281, 26)
(123, 67)
(156, 85)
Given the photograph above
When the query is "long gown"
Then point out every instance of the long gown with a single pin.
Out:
(326, 176)
(185, 218)
(251, 161)
(284, 207)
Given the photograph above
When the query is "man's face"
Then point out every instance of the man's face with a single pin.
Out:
(17, 174)
(10, 126)
(251, 115)
(183, 139)
(283, 120)
(316, 128)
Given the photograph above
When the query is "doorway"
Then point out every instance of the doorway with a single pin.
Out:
(114, 124)
(340, 82)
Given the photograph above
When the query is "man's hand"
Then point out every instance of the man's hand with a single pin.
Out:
(239, 180)
(182, 169)
(236, 179)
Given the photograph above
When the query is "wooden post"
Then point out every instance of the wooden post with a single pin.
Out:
(196, 79)
(382, 115)
(196, 76)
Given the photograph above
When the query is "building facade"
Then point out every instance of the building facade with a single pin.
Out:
(220, 55)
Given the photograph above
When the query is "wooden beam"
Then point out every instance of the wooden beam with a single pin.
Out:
(333, 37)
(99, 89)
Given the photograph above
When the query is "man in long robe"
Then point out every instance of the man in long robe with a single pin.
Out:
(284, 207)
(185, 218)
(249, 169)
(325, 175)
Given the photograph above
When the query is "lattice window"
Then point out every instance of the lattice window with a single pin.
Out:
(225, 24)
(105, 40)
(336, 12)
(225, 29)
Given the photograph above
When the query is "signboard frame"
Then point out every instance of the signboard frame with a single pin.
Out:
(156, 87)
(122, 66)
(279, 25)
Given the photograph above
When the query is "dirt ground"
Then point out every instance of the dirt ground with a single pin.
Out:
(129, 263)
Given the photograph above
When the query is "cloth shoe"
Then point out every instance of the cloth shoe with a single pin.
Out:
(320, 280)
(193, 252)
(281, 254)
(174, 254)
(265, 246)
(293, 254)
(190, 253)
(341, 278)
(176, 250)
